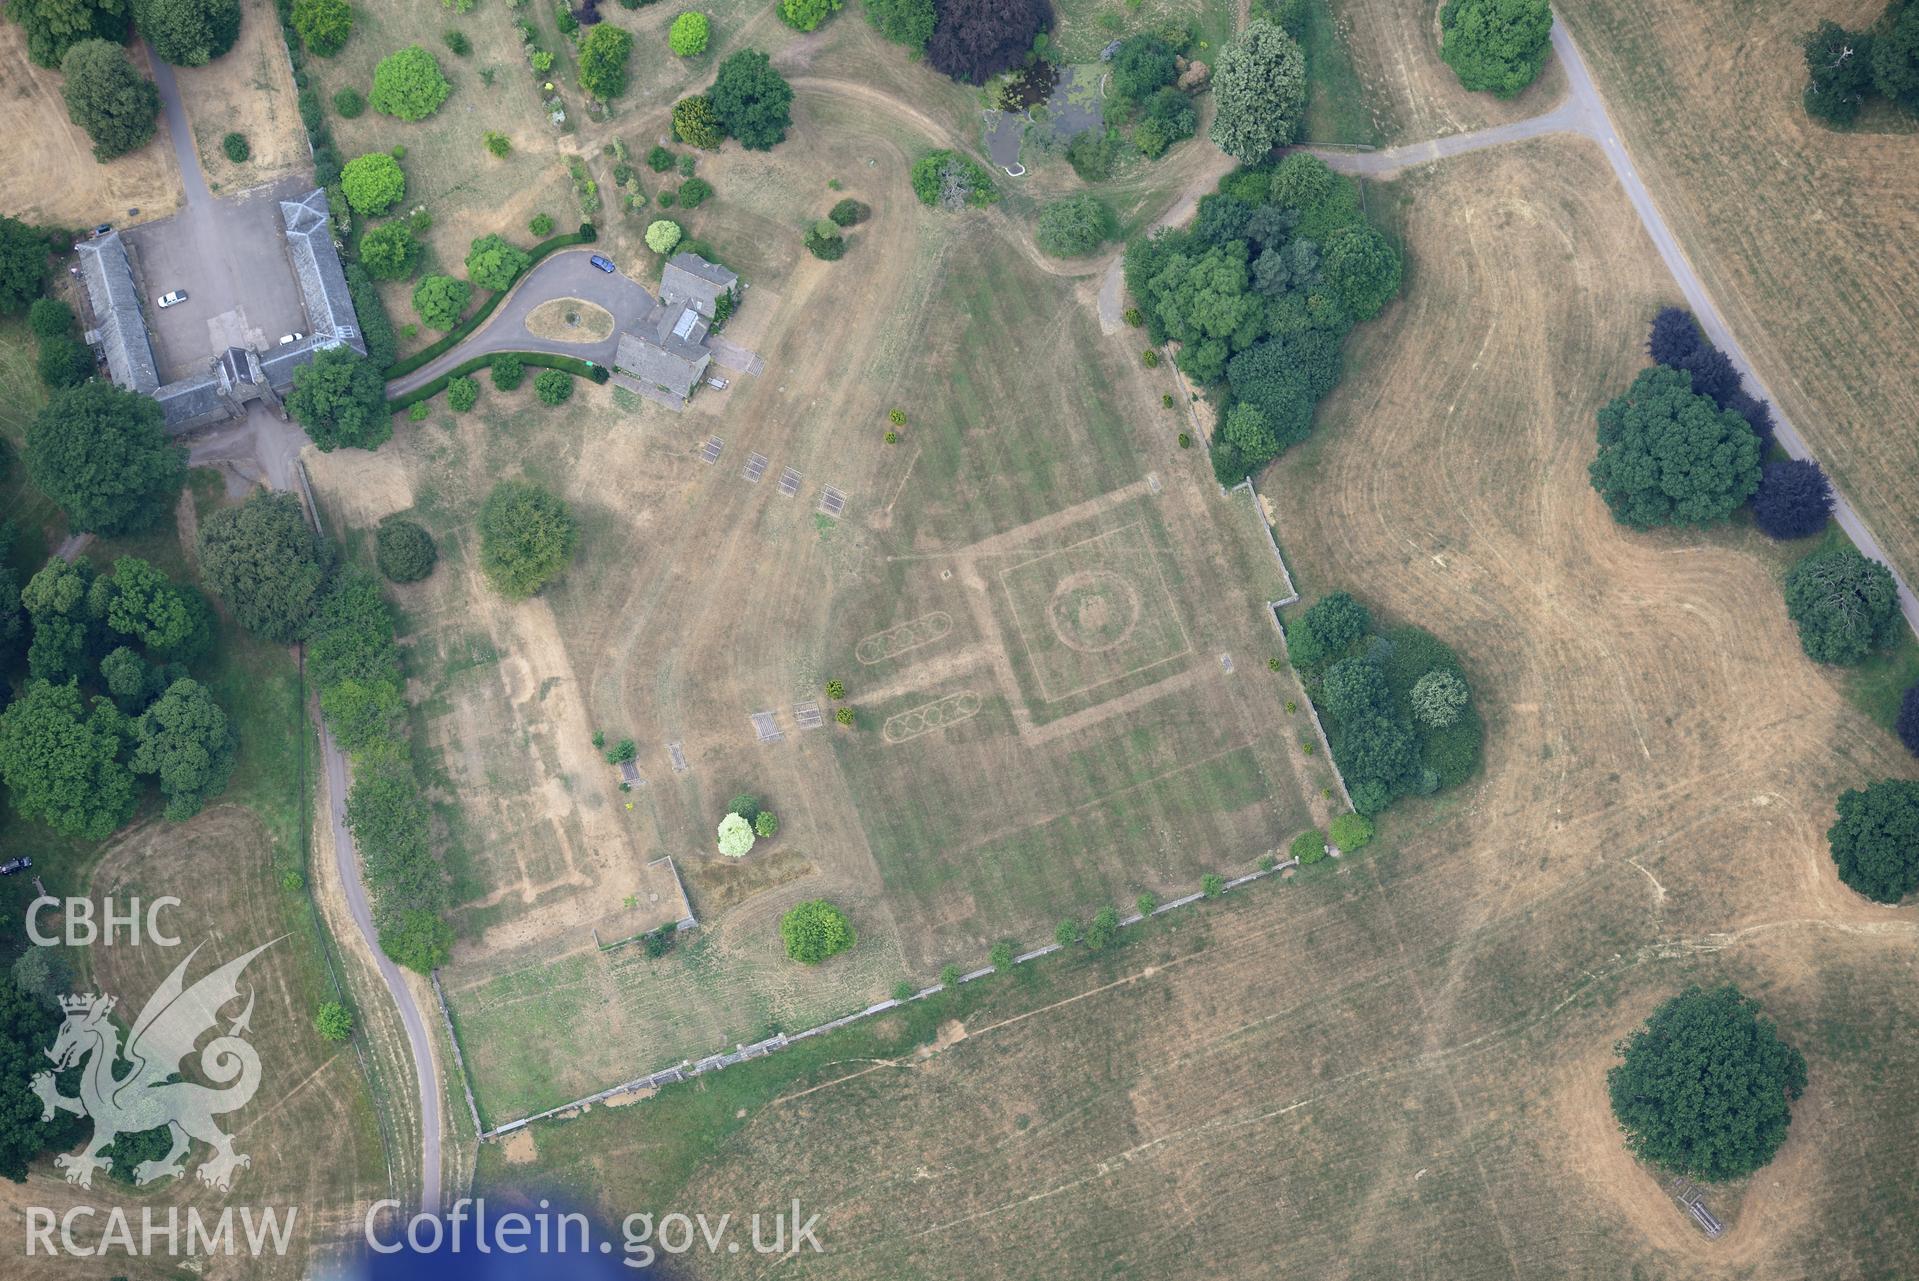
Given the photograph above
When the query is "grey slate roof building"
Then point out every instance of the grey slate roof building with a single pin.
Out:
(230, 378)
(665, 351)
(309, 231)
(120, 331)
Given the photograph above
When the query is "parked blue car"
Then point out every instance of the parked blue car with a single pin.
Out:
(604, 264)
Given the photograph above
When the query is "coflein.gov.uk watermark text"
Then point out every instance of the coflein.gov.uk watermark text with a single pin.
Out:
(643, 1238)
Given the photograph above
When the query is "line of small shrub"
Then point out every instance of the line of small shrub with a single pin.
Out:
(326, 160)
(354, 662)
(586, 235)
(539, 359)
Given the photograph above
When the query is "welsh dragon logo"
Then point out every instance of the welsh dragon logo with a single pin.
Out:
(139, 1088)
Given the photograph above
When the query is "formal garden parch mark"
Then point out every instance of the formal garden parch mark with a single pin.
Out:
(911, 634)
(1094, 612)
(927, 717)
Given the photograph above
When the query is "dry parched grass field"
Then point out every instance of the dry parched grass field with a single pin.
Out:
(248, 90)
(315, 1144)
(47, 170)
(1028, 599)
(1807, 238)
(1394, 1066)
(1411, 92)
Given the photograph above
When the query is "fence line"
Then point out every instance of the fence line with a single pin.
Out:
(459, 1059)
(1319, 730)
(1259, 514)
(684, 1069)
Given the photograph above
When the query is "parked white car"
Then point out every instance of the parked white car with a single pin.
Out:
(287, 340)
(177, 296)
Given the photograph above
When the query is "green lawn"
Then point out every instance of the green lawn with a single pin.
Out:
(1085, 27)
(1336, 109)
(37, 523)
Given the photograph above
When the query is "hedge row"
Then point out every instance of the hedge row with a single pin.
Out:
(326, 160)
(376, 327)
(538, 359)
(354, 663)
(586, 235)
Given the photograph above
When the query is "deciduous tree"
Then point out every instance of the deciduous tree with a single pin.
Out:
(527, 536)
(408, 84)
(103, 455)
(1839, 70)
(373, 183)
(1439, 698)
(907, 22)
(1499, 46)
(1352, 688)
(105, 96)
(439, 300)
(493, 263)
(806, 15)
(139, 601)
(63, 362)
(324, 25)
(266, 563)
(751, 101)
(333, 1021)
(130, 680)
(1704, 1089)
(389, 251)
(1377, 750)
(24, 264)
(688, 34)
(815, 930)
(1668, 456)
(28, 1025)
(1259, 92)
(1794, 499)
(1351, 832)
(1326, 631)
(188, 33)
(340, 398)
(54, 26)
(1143, 64)
(1875, 843)
(735, 836)
(1895, 54)
(973, 40)
(185, 741)
(662, 236)
(1845, 605)
(62, 762)
(1364, 267)
(1075, 226)
(603, 56)
(824, 241)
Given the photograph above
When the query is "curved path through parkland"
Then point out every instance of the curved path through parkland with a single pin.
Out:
(269, 449)
(1583, 112)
